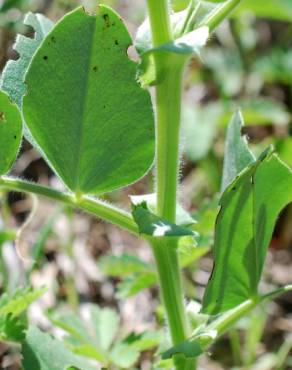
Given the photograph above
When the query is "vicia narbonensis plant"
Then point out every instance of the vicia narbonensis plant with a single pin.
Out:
(84, 105)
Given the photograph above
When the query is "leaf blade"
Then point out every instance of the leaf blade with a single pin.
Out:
(237, 154)
(105, 120)
(10, 133)
(244, 228)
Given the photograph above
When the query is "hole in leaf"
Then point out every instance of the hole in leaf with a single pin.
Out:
(2, 117)
(282, 235)
(95, 69)
(46, 57)
(132, 53)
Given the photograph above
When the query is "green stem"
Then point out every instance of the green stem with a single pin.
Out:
(168, 114)
(91, 205)
(159, 16)
(219, 14)
(171, 289)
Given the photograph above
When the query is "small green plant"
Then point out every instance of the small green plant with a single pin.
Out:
(86, 107)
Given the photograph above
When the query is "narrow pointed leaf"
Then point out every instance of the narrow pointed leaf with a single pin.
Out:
(10, 133)
(237, 154)
(249, 210)
(12, 79)
(86, 111)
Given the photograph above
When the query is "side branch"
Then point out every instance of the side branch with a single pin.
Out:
(91, 205)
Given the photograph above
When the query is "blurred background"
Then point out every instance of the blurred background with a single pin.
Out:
(247, 65)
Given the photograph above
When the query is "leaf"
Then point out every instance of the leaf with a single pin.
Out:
(106, 324)
(133, 284)
(199, 128)
(11, 329)
(10, 133)
(40, 351)
(189, 253)
(178, 5)
(237, 155)
(190, 349)
(92, 122)
(7, 235)
(123, 265)
(182, 216)
(181, 49)
(249, 209)
(275, 66)
(20, 300)
(136, 274)
(273, 9)
(145, 341)
(83, 339)
(151, 225)
(12, 80)
(124, 355)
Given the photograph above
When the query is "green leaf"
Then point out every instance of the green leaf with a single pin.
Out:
(249, 210)
(133, 284)
(124, 355)
(20, 300)
(275, 66)
(40, 351)
(104, 136)
(190, 349)
(273, 9)
(178, 5)
(123, 265)
(11, 329)
(106, 324)
(10, 133)
(237, 155)
(182, 216)
(199, 128)
(137, 274)
(12, 80)
(82, 340)
(145, 341)
(7, 235)
(151, 225)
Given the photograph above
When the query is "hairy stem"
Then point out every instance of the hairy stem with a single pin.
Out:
(91, 205)
(168, 112)
(171, 291)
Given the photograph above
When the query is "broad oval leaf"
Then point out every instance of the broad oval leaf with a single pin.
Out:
(10, 133)
(249, 210)
(85, 110)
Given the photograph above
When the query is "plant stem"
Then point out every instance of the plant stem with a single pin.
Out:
(171, 291)
(168, 112)
(159, 16)
(218, 15)
(91, 205)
